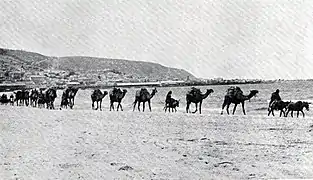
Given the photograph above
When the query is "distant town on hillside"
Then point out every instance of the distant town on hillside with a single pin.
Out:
(22, 69)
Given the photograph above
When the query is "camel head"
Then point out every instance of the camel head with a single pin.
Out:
(124, 91)
(154, 91)
(253, 93)
(306, 105)
(210, 91)
(105, 93)
(177, 102)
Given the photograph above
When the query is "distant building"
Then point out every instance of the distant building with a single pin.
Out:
(11, 86)
(139, 84)
(165, 83)
(16, 75)
(72, 84)
(38, 79)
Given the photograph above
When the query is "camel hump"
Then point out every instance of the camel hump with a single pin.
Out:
(194, 91)
(96, 91)
(234, 90)
(111, 92)
(144, 90)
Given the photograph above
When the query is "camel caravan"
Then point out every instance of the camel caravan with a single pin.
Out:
(234, 95)
(40, 98)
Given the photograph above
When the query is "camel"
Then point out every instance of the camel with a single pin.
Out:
(12, 100)
(41, 100)
(26, 97)
(278, 105)
(235, 96)
(116, 95)
(50, 96)
(22, 97)
(172, 105)
(70, 94)
(195, 96)
(298, 106)
(97, 96)
(4, 99)
(65, 101)
(34, 97)
(144, 96)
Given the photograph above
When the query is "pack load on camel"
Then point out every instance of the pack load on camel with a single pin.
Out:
(194, 91)
(143, 91)
(234, 91)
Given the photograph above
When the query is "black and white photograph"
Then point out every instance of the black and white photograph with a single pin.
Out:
(156, 90)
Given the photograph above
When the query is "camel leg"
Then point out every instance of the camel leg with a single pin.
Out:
(269, 112)
(187, 107)
(273, 112)
(120, 106)
(302, 113)
(143, 106)
(227, 108)
(92, 105)
(134, 105)
(298, 114)
(149, 104)
(200, 107)
(139, 106)
(175, 109)
(291, 113)
(112, 106)
(196, 108)
(234, 108)
(284, 112)
(225, 103)
(100, 102)
(97, 105)
(243, 108)
(281, 112)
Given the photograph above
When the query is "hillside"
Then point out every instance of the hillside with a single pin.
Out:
(29, 61)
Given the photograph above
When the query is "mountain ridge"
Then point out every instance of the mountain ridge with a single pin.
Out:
(31, 61)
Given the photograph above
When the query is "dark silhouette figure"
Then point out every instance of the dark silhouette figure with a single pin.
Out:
(12, 100)
(4, 99)
(97, 96)
(41, 99)
(275, 96)
(278, 105)
(235, 95)
(143, 96)
(117, 95)
(298, 106)
(171, 105)
(34, 97)
(22, 97)
(70, 94)
(195, 96)
(168, 98)
(50, 96)
(65, 101)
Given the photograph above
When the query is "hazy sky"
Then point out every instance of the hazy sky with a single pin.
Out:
(221, 38)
